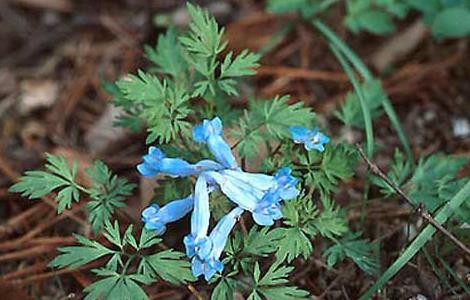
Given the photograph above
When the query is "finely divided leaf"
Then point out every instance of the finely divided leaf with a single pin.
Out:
(117, 286)
(107, 193)
(269, 120)
(272, 284)
(205, 35)
(325, 170)
(143, 87)
(36, 184)
(350, 112)
(361, 251)
(241, 65)
(260, 242)
(293, 242)
(75, 256)
(223, 290)
(170, 265)
(331, 221)
(167, 54)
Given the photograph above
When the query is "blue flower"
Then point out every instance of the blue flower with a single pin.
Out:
(197, 242)
(156, 217)
(268, 209)
(211, 264)
(286, 183)
(267, 212)
(312, 139)
(156, 162)
(210, 132)
(258, 193)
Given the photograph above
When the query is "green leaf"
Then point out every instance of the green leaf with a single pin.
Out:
(148, 238)
(163, 105)
(362, 252)
(331, 221)
(117, 286)
(453, 22)
(167, 54)
(107, 193)
(323, 171)
(167, 121)
(130, 117)
(371, 20)
(293, 242)
(241, 65)
(272, 284)
(143, 88)
(36, 184)
(75, 256)
(268, 120)
(112, 234)
(170, 265)
(223, 290)
(282, 6)
(432, 174)
(204, 38)
(399, 171)
(300, 212)
(350, 112)
(260, 242)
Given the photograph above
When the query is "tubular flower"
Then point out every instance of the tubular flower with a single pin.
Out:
(210, 132)
(156, 217)
(258, 193)
(156, 162)
(312, 139)
(197, 242)
(211, 264)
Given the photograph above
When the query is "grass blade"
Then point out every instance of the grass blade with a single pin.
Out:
(425, 235)
(367, 75)
(358, 89)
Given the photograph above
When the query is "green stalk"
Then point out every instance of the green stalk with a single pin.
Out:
(358, 89)
(418, 243)
(367, 75)
(336, 40)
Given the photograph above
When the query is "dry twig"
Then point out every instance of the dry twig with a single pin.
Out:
(420, 210)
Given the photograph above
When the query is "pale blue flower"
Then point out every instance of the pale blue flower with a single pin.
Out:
(258, 193)
(197, 242)
(260, 181)
(312, 139)
(156, 217)
(210, 132)
(156, 162)
(286, 184)
(268, 209)
(211, 264)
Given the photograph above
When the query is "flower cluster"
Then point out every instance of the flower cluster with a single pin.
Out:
(260, 194)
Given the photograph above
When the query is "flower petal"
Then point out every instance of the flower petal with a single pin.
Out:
(201, 213)
(156, 218)
(210, 132)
